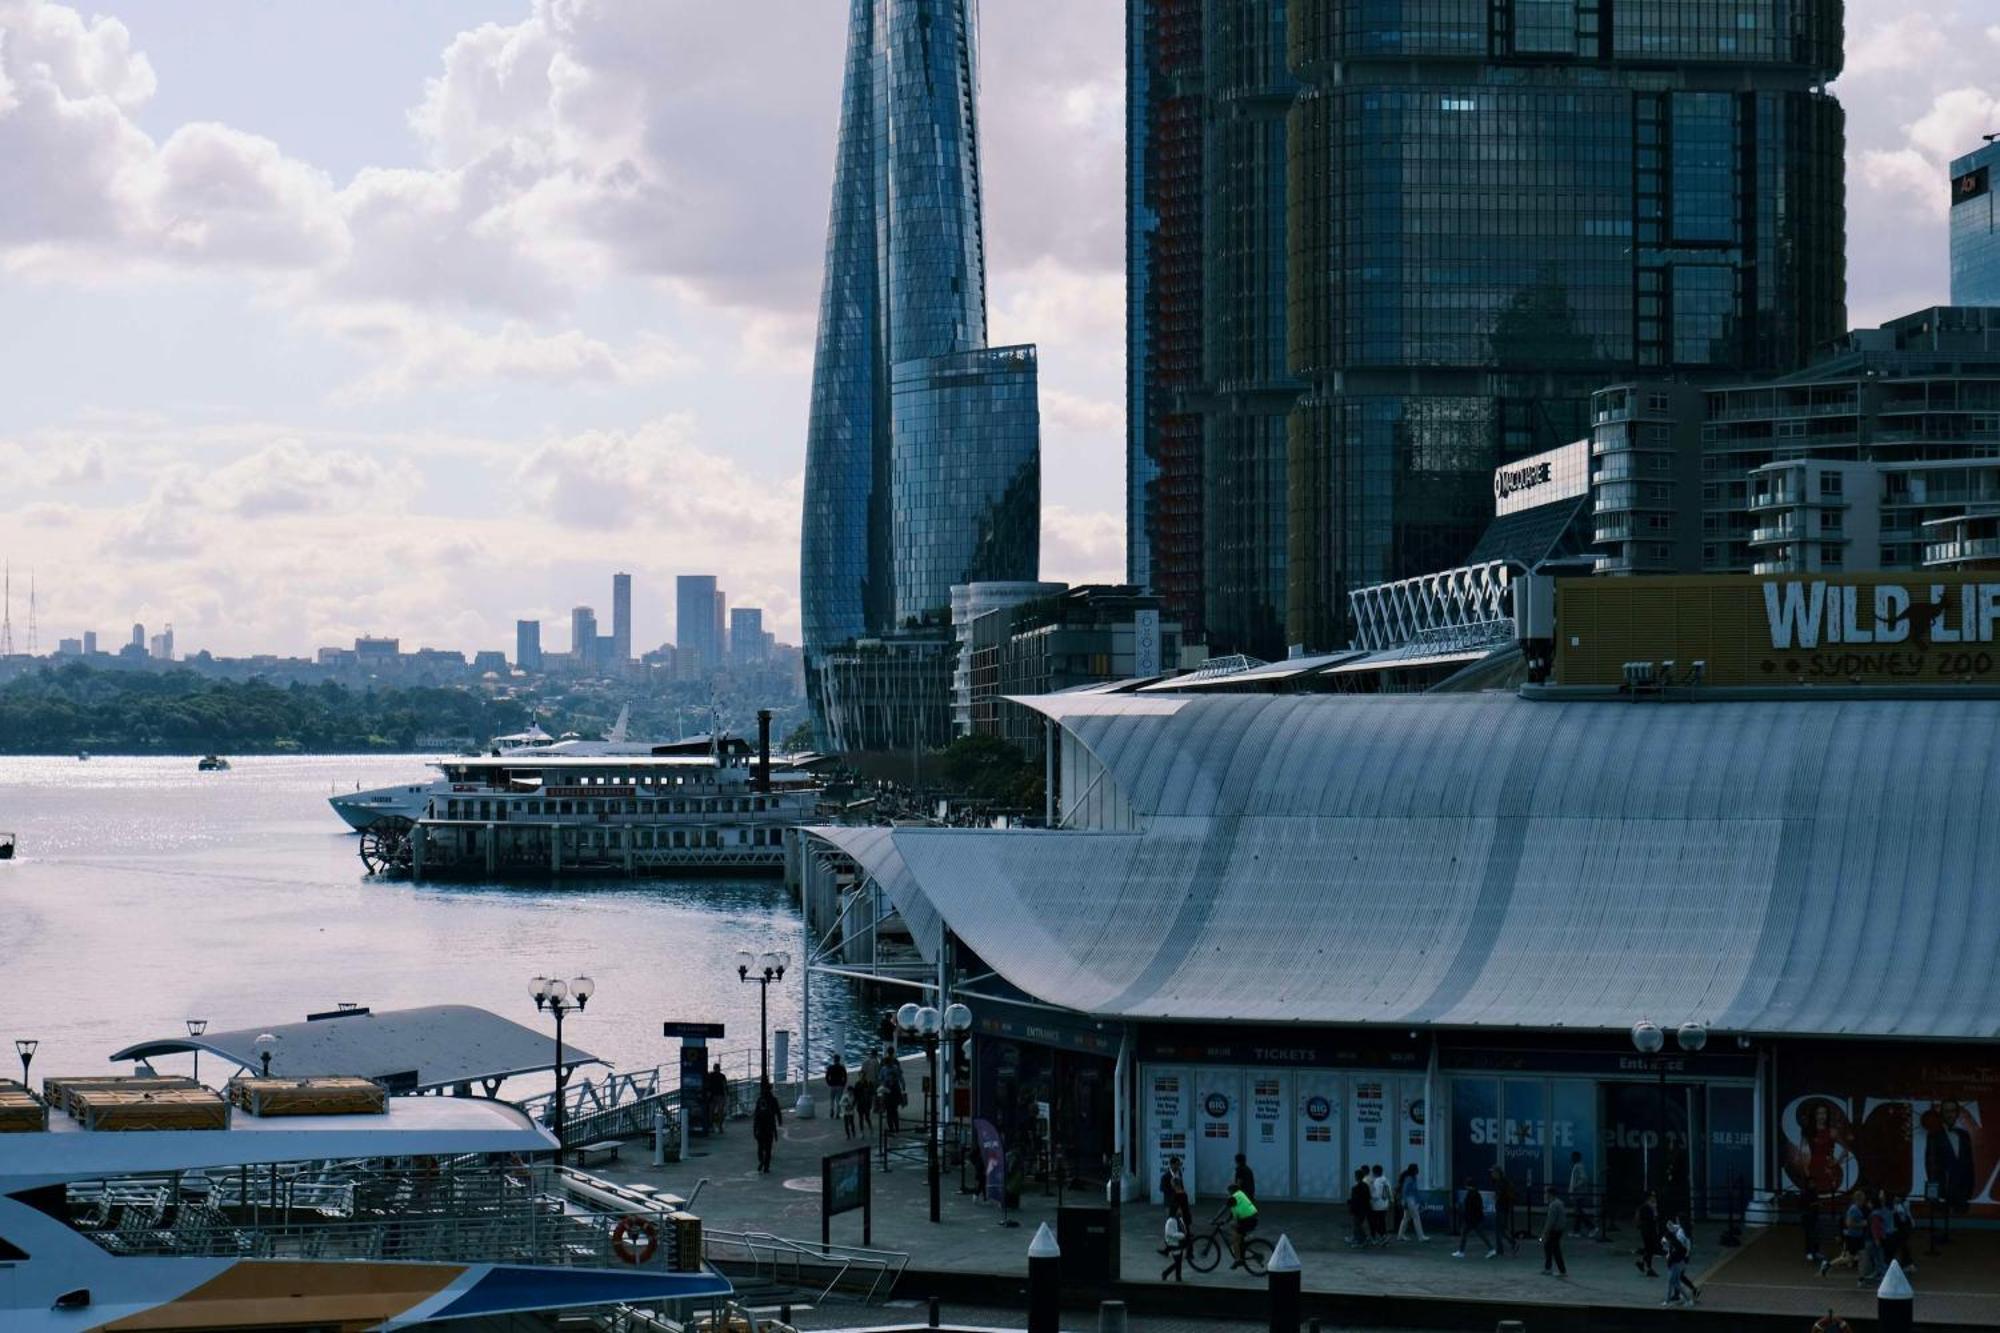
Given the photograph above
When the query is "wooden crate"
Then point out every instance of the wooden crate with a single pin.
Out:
(58, 1091)
(160, 1108)
(21, 1111)
(265, 1097)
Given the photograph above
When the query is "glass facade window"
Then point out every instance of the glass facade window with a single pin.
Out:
(1476, 247)
(966, 476)
(905, 284)
(1975, 228)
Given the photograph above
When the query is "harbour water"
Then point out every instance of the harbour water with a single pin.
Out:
(145, 893)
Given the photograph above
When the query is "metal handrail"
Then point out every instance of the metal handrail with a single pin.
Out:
(759, 1246)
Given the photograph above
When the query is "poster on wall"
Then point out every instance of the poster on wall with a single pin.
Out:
(1217, 1104)
(1413, 1109)
(1267, 1142)
(1317, 1128)
(1922, 1125)
(1166, 1127)
(1368, 1131)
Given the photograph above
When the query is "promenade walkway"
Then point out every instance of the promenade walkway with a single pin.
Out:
(1765, 1276)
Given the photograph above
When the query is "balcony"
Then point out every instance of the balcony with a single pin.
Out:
(1784, 530)
(1964, 551)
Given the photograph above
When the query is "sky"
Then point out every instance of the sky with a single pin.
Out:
(319, 320)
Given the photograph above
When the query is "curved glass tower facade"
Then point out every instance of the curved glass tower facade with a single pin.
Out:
(902, 329)
(1497, 205)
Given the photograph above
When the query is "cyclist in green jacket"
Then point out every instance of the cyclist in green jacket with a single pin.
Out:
(1242, 1221)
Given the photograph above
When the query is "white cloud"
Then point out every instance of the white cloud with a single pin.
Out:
(413, 352)
(1906, 42)
(288, 477)
(1082, 546)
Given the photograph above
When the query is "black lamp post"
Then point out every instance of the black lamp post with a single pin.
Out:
(763, 969)
(1650, 1041)
(197, 1026)
(25, 1048)
(561, 998)
(924, 1024)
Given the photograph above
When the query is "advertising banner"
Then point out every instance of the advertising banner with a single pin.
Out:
(1919, 1124)
(1267, 1142)
(1787, 629)
(1146, 643)
(1370, 1136)
(992, 1160)
(1216, 1113)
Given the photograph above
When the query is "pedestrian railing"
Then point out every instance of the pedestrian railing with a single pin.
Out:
(870, 1274)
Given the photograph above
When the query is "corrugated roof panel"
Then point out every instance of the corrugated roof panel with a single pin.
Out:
(1810, 867)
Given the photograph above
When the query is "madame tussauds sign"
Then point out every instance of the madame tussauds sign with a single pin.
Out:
(1861, 629)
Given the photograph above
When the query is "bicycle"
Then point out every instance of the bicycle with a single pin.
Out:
(1207, 1249)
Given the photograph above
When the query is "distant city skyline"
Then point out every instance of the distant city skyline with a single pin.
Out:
(219, 410)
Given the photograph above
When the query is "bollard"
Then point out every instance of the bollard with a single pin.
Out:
(1510, 1326)
(1284, 1273)
(659, 1137)
(935, 1312)
(1044, 1283)
(1111, 1317)
(681, 1153)
(1895, 1302)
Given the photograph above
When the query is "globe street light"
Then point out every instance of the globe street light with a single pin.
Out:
(25, 1048)
(561, 998)
(1650, 1041)
(763, 968)
(197, 1026)
(265, 1041)
(924, 1024)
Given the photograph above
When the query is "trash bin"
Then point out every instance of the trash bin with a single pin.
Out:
(1087, 1239)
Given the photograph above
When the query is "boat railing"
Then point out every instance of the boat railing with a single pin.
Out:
(494, 1215)
(867, 1273)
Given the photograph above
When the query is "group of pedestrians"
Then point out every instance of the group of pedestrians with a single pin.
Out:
(1875, 1231)
(868, 1096)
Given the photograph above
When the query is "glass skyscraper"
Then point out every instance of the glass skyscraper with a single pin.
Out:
(1497, 205)
(1487, 209)
(1975, 228)
(922, 446)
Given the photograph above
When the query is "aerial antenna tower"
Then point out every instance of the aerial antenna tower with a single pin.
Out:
(6, 611)
(31, 611)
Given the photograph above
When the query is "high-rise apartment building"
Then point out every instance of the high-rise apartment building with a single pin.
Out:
(621, 620)
(1208, 392)
(583, 638)
(922, 452)
(528, 645)
(748, 644)
(697, 624)
(1494, 211)
(89, 641)
(1490, 208)
(1975, 227)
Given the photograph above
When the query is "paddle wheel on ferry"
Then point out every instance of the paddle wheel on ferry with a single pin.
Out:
(385, 846)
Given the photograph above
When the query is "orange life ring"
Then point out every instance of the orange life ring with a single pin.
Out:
(634, 1239)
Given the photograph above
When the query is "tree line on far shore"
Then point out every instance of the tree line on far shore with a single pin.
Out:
(76, 708)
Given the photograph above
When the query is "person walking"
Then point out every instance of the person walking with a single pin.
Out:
(1579, 1193)
(1174, 1194)
(1358, 1202)
(1648, 1224)
(1809, 1222)
(1853, 1235)
(864, 1088)
(1880, 1225)
(1472, 1214)
(1503, 1212)
(892, 1080)
(1679, 1250)
(1556, 1221)
(836, 1078)
(1413, 1204)
(885, 1105)
(715, 1094)
(1244, 1178)
(1906, 1226)
(764, 1122)
(843, 1105)
(1380, 1196)
(1175, 1249)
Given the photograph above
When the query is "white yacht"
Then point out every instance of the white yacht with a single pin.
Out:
(171, 1207)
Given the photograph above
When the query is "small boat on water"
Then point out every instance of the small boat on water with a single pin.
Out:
(213, 763)
(83, 756)
(6, 846)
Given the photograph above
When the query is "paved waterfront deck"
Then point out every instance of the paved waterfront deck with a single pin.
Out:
(1766, 1276)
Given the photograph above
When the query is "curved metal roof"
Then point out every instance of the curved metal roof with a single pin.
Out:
(433, 1046)
(1816, 867)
